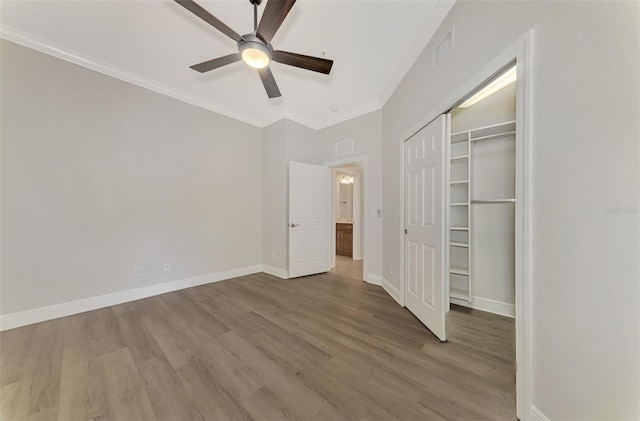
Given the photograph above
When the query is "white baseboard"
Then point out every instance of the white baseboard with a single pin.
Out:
(537, 415)
(23, 318)
(373, 279)
(272, 270)
(488, 305)
(391, 290)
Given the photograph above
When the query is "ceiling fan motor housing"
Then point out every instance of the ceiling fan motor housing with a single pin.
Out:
(252, 45)
(255, 48)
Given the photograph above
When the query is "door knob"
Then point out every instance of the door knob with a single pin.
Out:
(293, 225)
(405, 231)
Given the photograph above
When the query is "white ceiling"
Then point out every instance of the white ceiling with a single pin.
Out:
(152, 43)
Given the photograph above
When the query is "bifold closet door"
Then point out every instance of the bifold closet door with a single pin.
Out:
(424, 214)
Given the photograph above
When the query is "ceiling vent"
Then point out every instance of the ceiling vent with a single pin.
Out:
(443, 48)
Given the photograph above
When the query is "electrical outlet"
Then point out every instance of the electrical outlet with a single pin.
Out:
(167, 267)
(273, 255)
(137, 271)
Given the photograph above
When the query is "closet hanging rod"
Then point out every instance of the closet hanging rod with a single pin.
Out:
(493, 136)
(490, 201)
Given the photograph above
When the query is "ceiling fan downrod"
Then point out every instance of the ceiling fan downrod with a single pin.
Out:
(255, 3)
(255, 49)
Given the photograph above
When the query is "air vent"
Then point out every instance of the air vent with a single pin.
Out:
(443, 48)
(344, 148)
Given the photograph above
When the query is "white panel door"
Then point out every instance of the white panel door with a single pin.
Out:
(309, 205)
(424, 213)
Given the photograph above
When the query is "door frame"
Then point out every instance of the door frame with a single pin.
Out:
(362, 160)
(521, 51)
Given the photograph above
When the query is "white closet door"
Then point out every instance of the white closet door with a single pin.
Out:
(424, 241)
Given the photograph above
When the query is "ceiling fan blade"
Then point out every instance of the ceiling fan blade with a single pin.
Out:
(314, 64)
(216, 62)
(269, 82)
(197, 10)
(274, 13)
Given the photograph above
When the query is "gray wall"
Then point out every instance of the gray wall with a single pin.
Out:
(284, 141)
(585, 162)
(100, 176)
(275, 196)
(366, 132)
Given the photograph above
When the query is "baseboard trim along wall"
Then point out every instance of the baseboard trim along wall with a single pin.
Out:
(373, 279)
(272, 270)
(537, 415)
(391, 290)
(486, 304)
(23, 318)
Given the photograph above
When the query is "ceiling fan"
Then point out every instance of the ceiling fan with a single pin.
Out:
(255, 48)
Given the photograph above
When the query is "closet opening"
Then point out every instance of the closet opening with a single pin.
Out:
(481, 198)
(480, 235)
(460, 194)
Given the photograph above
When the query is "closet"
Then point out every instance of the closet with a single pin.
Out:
(481, 206)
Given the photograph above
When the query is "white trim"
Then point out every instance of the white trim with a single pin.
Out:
(38, 44)
(35, 43)
(521, 51)
(537, 415)
(488, 305)
(372, 279)
(272, 270)
(524, 255)
(402, 227)
(358, 112)
(392, 290)
(23, 318)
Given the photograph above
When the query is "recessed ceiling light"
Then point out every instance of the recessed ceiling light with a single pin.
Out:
(502, 81)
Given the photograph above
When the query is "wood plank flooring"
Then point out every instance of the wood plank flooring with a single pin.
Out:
(324, 347)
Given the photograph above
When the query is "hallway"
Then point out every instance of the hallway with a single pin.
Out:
(348, 268)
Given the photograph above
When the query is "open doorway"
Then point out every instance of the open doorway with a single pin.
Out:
(347, 210)
(348, 223)
(481, 198)
(481, 225)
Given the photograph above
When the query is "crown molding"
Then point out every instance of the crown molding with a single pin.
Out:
(358, 112)
(366, 109)
(27, 40)
(30, 41)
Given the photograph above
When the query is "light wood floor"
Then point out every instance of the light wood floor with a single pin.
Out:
(325, 347)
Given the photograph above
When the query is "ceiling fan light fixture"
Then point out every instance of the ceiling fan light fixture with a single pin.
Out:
(255, 54)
